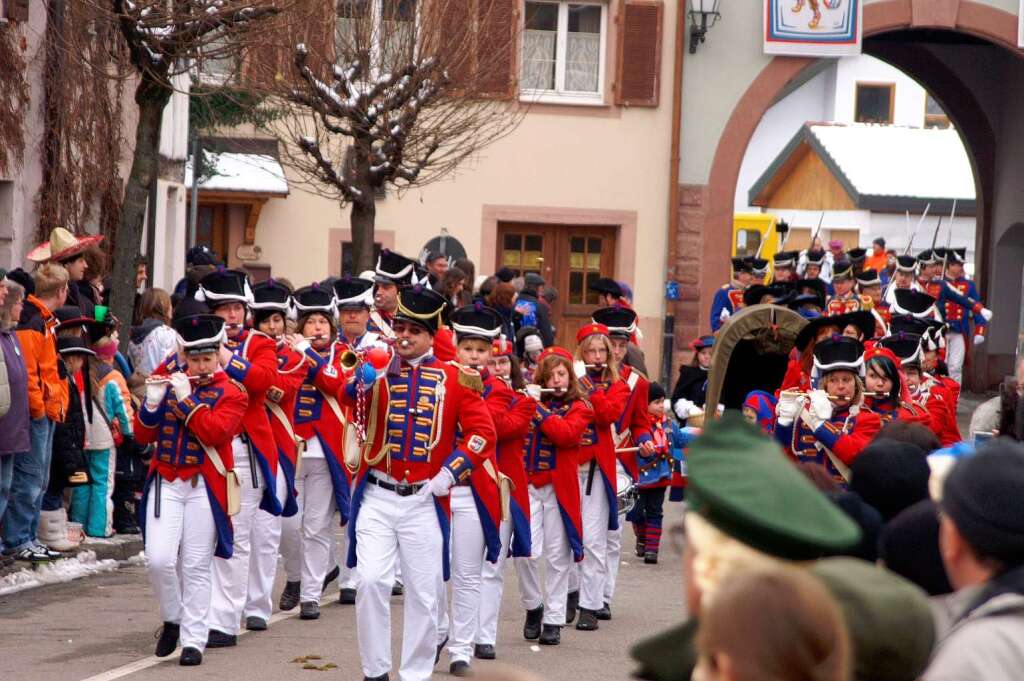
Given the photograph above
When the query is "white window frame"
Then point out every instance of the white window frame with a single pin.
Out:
(376, 9)
(560, 95)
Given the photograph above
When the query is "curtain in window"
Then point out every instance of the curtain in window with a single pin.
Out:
(583, 48)
(539, 59)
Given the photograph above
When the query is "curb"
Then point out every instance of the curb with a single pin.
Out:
(119, 549)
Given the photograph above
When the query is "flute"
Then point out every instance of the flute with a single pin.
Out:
(799, 393)
(153, 380)
(595, 366)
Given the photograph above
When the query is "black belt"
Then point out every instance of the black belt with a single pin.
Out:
(401, 489)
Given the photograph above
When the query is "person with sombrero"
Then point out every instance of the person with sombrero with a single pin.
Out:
(68, 251)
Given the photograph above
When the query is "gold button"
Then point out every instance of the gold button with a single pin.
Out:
(407, 473)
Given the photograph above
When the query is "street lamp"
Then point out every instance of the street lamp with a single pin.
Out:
(703, 15)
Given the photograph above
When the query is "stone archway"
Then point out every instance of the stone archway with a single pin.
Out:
(710, 213)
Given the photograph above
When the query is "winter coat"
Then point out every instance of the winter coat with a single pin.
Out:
(983, 633)
(47, 391)
(68, 438)
(116, 409)
(13, 395)
(534, 312)
(150, 344)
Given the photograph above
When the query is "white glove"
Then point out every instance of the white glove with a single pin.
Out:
(684, 408)
(533, 392)
(579, 367)
(978, 339)
(301, 345)
(725, 314)
(439, 485)
(788, 408)
(986, 313)
(180, 384)
(821, 408)
(155, 392)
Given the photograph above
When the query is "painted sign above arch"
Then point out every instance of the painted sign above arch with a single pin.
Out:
(813, 28)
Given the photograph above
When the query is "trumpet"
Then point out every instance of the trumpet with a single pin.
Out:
(349, 359)
(155, 380)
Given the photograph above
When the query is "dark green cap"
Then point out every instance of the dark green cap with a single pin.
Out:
(890, 622)
(742, 483)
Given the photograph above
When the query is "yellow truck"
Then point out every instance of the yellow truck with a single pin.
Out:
(749, 230)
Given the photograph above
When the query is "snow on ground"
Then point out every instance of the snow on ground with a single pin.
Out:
(65, 570)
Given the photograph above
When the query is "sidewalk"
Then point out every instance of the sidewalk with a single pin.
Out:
(91, 557)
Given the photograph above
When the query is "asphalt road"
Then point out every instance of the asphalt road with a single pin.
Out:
(102, 628)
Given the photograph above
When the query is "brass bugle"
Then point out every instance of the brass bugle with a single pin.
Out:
(153, 380)
(349, 360)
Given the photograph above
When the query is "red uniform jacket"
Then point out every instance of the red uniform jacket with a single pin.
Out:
(633, 423)
(280, 404)
(608, 401)
(904, 411)
(850, 303)
(322, 379)
(213, 415)
(412, 417)
(844, 434)
(551, 453)
(941, 407)
(512, 413)
(795, 378)
(254, 365)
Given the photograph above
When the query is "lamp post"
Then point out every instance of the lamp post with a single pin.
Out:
(703, 15)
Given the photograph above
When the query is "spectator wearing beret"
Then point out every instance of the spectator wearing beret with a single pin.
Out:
(981, 538)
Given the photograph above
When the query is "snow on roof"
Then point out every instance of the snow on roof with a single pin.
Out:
(888, 160)
(232, 172)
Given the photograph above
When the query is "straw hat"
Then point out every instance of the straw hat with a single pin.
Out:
(61, 246)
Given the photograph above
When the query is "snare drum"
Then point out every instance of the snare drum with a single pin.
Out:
(628, 493)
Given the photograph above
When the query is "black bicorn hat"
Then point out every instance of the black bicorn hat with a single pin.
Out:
(857, 255)
(420, 305)
(908, 324)
(74, 345)
(476, 321)
(758, 266)
(394, 268)
(863, 320)
(740, 265)
(867, 278)
(816, 257)
(957, 255)
(912, 302)
(201, 255)
(780, 293)
(606, 285)
(906, 263)
(200, 333)
(929, 257)
(809, 291)
(224, 286)
(353, 292)
(785, 258)
(271, 295)
(839, 353)
(906, 346)
(621, 321)
(316, 297)
(842, 270)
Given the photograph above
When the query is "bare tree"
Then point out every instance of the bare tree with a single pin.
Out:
(391, 94)
(165, 39)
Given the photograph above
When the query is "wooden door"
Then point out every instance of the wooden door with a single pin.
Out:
(569, 258)
(212, 228)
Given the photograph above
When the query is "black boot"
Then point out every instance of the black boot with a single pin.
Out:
(310, 610)
(531, 629)
(571, 605)
(289, 597)
(347, 596)
(168, 640)
(588, 620)
(382, 677)
(460, 668)
(551, 635)
(605, 613)
(218, 639)
(651, 558)
(190, 657)
(484, 651)
(253, 623)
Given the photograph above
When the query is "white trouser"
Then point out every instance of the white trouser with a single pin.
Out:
(468, 550)
(594, 568)
(291, 533)
(184, 600)
(317, 527)
(266, 539)
(956, 349)
(492, 583)
(231, 576)
(339, 556)
(614, 555)
(406, 527)
(549, 541)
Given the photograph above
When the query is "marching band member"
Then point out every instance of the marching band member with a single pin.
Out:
(597, 372)
(512, 414)
(931, 281)
(323, 480)
(857, 257)
(412, 410)
(185, 500)
(504, 364)
(785, 266)
(632, 426)
(813, 261)
(354, 298)
(551, 451)
(870, 287)
(903, 277)
(692, 385)
(249, 357)
(884, 377)
(758, 269)
(798, 375)
(929, 393)
(476, 505)
(392, 271)
(270, 308)
(729, 298)
(829, 426)
(845, 299)
(955, 316)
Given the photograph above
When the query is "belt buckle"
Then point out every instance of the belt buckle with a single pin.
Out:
(404, 490)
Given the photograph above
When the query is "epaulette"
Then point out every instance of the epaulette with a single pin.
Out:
(867, 304)
(725, 287)
(238, 385)
(469, 378)
(634, 370)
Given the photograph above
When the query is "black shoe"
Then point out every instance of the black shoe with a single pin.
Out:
(484, 651)
(131, 528)
(551, 635)
(588, 620)
(651, 558)
(605, 613)
(254, 623)
(531, 629)
(460, 668)
(190, 657)
(330, 577)
(309, 611)
(641, 549)
(218, 639)
(50, 553)
(289, 597)
(347, 596)
(382, 677)
(32, 554)
(168, 640)
(440, 647)
(397, 589)
(571, 605)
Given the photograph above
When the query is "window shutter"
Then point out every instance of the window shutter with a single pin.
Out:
(450, 35)
(495, 48)
(639, 67)
(16, 10)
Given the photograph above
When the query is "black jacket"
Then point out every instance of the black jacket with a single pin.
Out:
(692, 385)
(68, 439)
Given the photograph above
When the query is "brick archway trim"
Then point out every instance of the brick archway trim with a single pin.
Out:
(966, 16)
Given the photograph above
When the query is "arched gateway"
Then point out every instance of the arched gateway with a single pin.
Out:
(963, 51)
